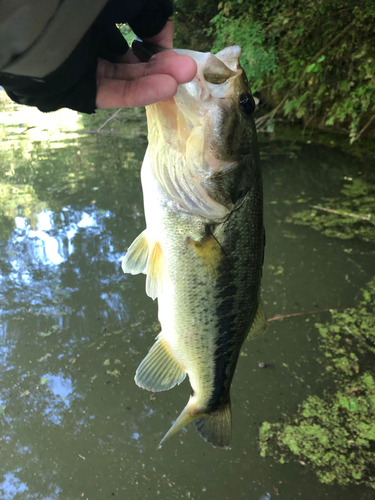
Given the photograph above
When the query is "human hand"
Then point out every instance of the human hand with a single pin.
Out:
(131, 83)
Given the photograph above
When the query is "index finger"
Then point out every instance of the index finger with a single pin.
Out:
(134, 93)
(180, 67)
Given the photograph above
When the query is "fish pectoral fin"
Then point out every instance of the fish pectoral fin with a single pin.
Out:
(135, 261)
(209, 250)
(259, 324)
(216, 427)
(145, 256)
(159, 371)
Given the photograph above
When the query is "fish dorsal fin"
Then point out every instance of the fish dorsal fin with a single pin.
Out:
(159, 371)
(146, 256)
(259, 324)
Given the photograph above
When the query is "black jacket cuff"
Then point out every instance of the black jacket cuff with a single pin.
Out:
(152, 19)
(73, 84)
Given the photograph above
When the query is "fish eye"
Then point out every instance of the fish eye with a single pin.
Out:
(247, 104)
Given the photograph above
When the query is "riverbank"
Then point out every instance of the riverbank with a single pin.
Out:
(312, 63)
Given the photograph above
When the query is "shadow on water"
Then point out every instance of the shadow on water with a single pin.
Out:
(74, 328)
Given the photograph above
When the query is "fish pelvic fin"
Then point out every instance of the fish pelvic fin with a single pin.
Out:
(259, 324)
(159, 371)
(156, 272)
(215, 427)
(146, 256)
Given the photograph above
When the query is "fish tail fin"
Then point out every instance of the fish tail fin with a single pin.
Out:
(185, 417)
(214, 427)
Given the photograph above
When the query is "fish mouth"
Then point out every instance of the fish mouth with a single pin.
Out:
(217, 69)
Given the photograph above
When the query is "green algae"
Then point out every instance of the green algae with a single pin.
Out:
(350, 212)
(335, 433)
(348, 216)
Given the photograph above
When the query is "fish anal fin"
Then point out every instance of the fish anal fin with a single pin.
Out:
(259, 324)
(159, 371)
(216, 427)
(135, 261)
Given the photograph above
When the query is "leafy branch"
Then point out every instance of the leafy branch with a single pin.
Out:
(269, 116)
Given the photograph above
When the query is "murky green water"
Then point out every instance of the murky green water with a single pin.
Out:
(74, 328)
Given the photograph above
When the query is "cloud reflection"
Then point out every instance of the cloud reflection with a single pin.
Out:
(48, 245)
(60, 386)
(46, 263)
(11, 487)
(51, 245)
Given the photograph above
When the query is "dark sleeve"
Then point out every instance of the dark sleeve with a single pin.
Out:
(73, 84)
(146, 18)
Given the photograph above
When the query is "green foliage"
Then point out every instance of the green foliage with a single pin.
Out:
(349, 217)
(314, 61)
(191, 21)
(336, 433)
(257, 61)
(126, 32)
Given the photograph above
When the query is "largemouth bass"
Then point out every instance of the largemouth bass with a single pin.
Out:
(202, 250)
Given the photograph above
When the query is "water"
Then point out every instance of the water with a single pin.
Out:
(74, 328)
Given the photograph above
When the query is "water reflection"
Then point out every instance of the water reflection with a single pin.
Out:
(60, 287)
(12, 486)
(51, 245)
(36, 261)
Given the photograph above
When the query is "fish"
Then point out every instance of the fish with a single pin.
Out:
(203, 247)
